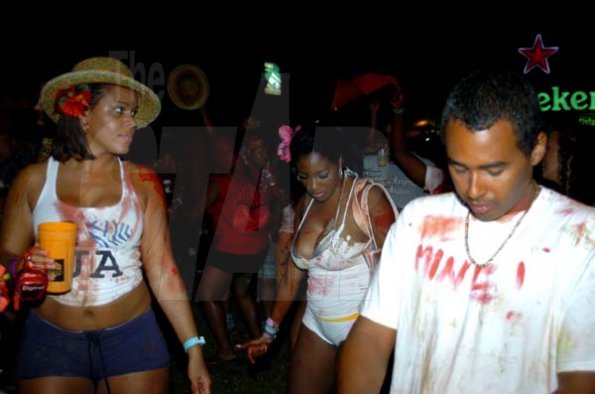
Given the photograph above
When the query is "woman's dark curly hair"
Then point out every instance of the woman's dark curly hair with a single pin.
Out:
(329, 142)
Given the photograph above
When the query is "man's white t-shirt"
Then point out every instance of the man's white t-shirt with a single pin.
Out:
(509, 327)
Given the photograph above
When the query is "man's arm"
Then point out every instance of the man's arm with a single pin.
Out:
(363, 357)
(411, 165)
(576, 382)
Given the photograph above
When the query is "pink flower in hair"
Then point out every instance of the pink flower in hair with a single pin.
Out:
(286, 133)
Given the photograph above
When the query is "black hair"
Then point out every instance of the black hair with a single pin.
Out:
(329, 142)
(485, 97)
(70, 141)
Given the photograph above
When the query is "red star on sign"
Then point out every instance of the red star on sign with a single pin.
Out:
(538, 55)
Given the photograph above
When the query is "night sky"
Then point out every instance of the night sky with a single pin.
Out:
(427, 63)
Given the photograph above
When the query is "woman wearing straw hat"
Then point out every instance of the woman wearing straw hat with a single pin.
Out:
(102, 333)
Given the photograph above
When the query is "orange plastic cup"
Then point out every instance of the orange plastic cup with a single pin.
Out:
(59, 239)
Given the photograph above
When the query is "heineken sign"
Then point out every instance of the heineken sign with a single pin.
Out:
(563, 100)
(580, 102)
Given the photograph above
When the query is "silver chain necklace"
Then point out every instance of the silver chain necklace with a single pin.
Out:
(516, 225)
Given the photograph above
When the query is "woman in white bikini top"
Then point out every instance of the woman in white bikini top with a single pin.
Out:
(330, 243)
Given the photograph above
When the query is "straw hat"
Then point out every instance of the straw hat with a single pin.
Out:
(102, 70)
(188, 87)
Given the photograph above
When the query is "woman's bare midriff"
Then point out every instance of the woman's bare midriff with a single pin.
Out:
(76, 318)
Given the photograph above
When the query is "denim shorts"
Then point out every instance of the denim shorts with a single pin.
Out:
(47, 350)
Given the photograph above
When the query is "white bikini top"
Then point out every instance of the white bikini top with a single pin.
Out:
(333, 251)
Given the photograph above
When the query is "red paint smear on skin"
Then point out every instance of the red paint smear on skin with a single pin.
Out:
(439, 226)
(520, 274)
(176, 284)
(384, 220)
(173, 281)
(169, 270)
(147, 175)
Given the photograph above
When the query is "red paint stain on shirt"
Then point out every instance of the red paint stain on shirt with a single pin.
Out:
(442, 226)
(448, 272)
(483, 290)
(520, 274)
(580, 232)
(435, 264)
(432, 264)
(320, 285)
(566, 211)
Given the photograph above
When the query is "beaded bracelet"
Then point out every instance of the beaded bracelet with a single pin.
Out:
(193, 342)
(272, 323)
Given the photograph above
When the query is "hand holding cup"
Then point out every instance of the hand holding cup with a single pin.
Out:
(59, 240)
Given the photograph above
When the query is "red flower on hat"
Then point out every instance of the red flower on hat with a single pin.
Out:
(73, 101)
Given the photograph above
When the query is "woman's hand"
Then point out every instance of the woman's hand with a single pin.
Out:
(197, 372)
(255, 348)
(37, 258)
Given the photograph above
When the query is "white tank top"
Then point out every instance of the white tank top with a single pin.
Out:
(107, 258)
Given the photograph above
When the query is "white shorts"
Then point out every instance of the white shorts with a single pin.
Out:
(333, 331)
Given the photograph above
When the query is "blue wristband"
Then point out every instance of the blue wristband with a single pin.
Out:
(270, 329)
(193, 342)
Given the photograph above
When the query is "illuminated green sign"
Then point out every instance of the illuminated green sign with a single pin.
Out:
(587, 120)
(563, 100)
